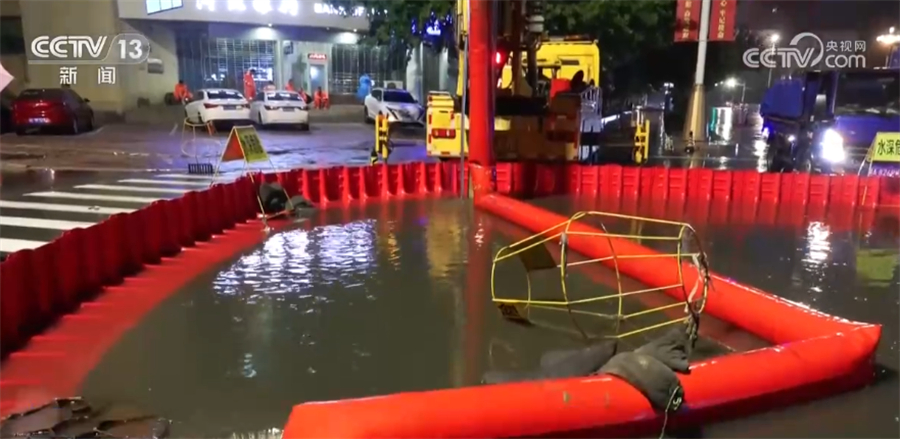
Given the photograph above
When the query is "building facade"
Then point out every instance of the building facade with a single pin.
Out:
(207, 43)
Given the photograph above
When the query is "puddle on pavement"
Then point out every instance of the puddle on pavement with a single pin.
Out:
(396, 297)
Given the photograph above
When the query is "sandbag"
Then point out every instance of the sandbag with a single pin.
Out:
(272, 197)
(656, 381)
(298, 202)
(578, 362)
(43, 419)
(672, 349)
(75, 418)
(569, 363)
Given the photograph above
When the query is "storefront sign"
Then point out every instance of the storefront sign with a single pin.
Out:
(262, 13)
(322, 8)
(721, 20)
(317, 56)
(687, 21)
(263, 7)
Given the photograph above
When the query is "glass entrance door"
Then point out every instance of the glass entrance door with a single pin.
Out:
(317, 77)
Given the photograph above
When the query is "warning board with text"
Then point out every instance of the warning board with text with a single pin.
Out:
(885, 148)
(244, 144)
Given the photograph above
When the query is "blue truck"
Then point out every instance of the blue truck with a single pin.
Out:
(825, 121)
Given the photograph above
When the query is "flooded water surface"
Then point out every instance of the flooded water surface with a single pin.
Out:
(397, 297)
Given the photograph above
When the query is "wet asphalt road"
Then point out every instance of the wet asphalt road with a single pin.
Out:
(170, 148)
(125, 147)
(116, 150)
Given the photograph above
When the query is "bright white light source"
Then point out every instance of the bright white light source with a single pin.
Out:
(262, 6)
(289, 7)
(321, 8)
(832, 146)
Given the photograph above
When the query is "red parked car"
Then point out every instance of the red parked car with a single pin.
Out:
(60, 109)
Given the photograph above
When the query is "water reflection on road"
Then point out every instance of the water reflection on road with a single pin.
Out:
(396, 297)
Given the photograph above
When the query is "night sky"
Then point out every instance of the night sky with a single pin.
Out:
(866, 17)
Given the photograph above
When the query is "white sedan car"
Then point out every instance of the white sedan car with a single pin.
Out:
(398, 105)
(217, 105)
(279, 108)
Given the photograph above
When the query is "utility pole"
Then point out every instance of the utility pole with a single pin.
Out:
(774, 40)
(695, 123)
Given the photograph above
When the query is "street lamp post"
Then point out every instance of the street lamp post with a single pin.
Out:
(892, 41)
(774, 40)
(695, 122)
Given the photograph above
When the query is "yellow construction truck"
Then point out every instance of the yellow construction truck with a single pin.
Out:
(528, 123)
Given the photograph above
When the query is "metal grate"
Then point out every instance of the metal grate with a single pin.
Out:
(221, 62)
(349, 62)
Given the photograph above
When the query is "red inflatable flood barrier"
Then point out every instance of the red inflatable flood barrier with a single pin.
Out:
(44, 286)
(817, 355)
(37, 286)
(527, 180)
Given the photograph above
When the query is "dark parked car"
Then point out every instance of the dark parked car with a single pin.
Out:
(59, 109)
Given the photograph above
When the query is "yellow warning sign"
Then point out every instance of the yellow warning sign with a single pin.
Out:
(244, 144)
(641, 142)
(885, 148)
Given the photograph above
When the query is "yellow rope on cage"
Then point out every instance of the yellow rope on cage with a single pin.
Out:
(536, 260)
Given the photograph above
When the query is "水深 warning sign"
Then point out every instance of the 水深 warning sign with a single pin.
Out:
(244, 144)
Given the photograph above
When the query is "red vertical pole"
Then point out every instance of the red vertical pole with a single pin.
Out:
(481, 94)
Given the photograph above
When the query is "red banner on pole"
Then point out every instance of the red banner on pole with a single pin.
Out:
(721, 20)
(687, 20)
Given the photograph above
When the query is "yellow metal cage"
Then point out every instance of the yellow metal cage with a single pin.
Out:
(624, 309)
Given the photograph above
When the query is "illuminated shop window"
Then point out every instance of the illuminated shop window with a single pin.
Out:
(222, 62)
(323, 8)
(154, 6)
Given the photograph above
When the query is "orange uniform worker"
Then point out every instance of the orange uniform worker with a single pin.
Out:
(320, 98)
(290, 85)
(249, 84)
(181, 92)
